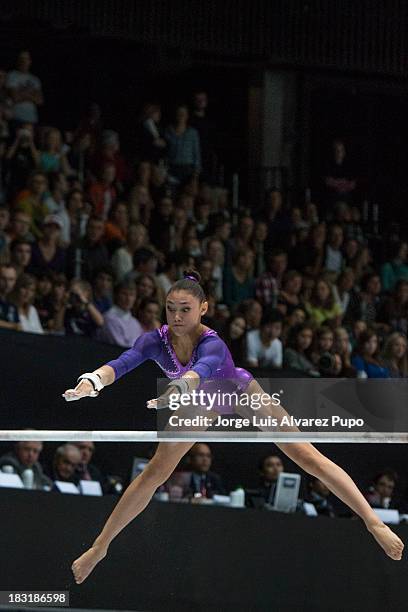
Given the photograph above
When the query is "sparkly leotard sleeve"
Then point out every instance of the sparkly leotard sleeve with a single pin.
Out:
(211, 359)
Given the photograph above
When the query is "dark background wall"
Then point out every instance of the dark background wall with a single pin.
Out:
(178, 557)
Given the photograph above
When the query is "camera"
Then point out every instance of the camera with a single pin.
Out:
(327, 364)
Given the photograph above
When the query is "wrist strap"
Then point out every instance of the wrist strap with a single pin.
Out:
(181, 384)
(94, 379)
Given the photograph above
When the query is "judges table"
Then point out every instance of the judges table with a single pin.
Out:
(188, 557)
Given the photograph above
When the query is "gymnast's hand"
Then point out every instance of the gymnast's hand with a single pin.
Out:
(83, 389)
(162, 401)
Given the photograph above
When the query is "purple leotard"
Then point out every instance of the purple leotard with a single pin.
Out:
(210, 358)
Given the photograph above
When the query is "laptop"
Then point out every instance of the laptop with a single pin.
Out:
(286, 493)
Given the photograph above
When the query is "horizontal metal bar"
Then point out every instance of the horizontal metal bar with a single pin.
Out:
(50, 435)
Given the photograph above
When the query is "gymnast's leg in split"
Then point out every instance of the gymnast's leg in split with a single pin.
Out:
(306, 456)
(135, 499)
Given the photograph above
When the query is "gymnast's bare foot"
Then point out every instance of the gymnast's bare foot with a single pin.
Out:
(84, 565)
(388, 540)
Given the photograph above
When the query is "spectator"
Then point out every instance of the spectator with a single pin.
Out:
(58, 301)
(264, 345)
(393, 312)
(26, 456)
(152, 145)
(252, 312)
(58, 190)
(244, 234)
(268, 284)
(365, 359)
(52, 156)
(22, 158)
(289, 295)
(147, 288)
(323, 343)
(43, 298)
(334, 256)
(20, 254)
(365, 304)
(73, 217)
(4, 239)
(343, 347)
(141, 205)
(46, 253)
(205, 129)
(269, 469)
(342, 290)
(309, 256)
(82, 318)
(102, 289)
(144, 262)
(394, 355)
(23, 297)
(117, 226)
(121, 327)
(235, 337)
(216, 252)
(258, 245)
(297, 355)
(103, 192)
(199, 481)
(32, 201)
(89, 253)
(86, 470)
(397, 268)
(25, 90)
(20, 227)
(322, 307)
(148, 314)
(109, 154)
(122, 259)
(239, 283)
(339, 177)
(9, 318)
(66, 461)
(169, 274)
(276, 219)
(318, 495)
(184, 151)
(381, 494)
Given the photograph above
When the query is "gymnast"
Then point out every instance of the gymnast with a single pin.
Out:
(189, 353)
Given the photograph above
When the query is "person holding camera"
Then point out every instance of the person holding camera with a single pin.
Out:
(22, 158)
(81, 315)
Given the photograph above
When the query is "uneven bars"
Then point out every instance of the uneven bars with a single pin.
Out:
(50, 435)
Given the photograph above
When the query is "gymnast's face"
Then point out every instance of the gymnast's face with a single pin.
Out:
(184, 312)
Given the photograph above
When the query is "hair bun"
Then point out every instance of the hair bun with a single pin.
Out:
(193, 275)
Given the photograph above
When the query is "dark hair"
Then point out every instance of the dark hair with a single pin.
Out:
(273, 316)
(261, 462)
(294, 333)
(14, 243)
(191, 283)
(128, 285)
(390, 474)
(367, 278)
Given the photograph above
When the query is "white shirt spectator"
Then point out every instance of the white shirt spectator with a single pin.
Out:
(122, 263)
(259, 355)
(24, 111)
(31, 322)
(120, 327)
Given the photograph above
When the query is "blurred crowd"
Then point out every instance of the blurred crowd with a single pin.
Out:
(91, 240)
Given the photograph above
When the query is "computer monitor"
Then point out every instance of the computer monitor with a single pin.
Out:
(287, 492)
